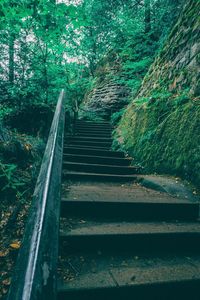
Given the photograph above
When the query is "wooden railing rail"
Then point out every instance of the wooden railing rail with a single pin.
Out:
(35, 273)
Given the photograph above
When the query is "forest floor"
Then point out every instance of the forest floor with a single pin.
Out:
(12, 223)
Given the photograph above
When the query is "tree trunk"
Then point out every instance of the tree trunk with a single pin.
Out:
(11, 57)
(147, 5)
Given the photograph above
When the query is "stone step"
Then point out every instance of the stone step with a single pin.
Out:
(88, 139)
(130, 277)
(90, 143)
(92, 122)
(92, 134)
(93, 152)
(77, 145)
(100, 169)
(128, 210)
(96, 127)
(144, 237)
(93, 131)
(105, 123)
(97, 159)
(83, 176)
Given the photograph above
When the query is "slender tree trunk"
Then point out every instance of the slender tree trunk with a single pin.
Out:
(11, 57)
(93, 58)
(46, 81)
(147, 5)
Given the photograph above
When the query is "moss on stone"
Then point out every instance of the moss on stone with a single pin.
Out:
(170, 144)
(160, 128)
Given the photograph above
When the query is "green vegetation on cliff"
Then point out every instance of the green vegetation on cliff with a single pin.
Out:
(160, 128)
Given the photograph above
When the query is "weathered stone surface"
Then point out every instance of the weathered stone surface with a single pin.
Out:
(179, 54)
(108, 95)
(160, 128)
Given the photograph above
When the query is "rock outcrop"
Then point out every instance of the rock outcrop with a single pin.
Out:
(161, 126)
(177, 66)
(108, 95)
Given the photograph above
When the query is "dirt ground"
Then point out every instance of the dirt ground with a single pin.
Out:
(13, 218)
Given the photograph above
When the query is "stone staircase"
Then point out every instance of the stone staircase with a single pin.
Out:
(119, 240)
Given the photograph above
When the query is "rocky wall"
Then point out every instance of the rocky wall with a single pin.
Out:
(161, 127)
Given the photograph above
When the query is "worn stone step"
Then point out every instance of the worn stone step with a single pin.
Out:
(77, 145)
(97, 159)
(94, 127)
(130, 277)
(88, 139)
(93, 152)
(92, 122)
(83, 176)
(93, 131)
(90, 143)
(92, 134)
(101, 169)
(144, 237)
(130, 210)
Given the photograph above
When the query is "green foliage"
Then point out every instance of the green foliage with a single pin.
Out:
(116, 117)
(137, 66)
(20, 158)
(8, 178)
(183, 98)
(141, 101)
(4, 112)
(46, 46)
(90, 116)
(32, 119)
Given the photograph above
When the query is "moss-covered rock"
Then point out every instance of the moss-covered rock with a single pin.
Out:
(160, 128)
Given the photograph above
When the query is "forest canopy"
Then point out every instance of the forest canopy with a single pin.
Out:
(48, 44)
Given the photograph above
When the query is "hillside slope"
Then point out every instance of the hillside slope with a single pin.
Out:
(161, 126)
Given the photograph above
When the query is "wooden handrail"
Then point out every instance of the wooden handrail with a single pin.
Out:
(35, 272)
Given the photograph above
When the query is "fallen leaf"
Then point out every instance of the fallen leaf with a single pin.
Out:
(82, 221)
(28, 147)
(4, 253)
(6, 281)
(4, 291)
(15, 245)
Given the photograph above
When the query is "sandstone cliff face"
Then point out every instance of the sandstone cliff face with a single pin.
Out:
(177, 66)
(107, 98)
(108, 95)
(161, 126)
